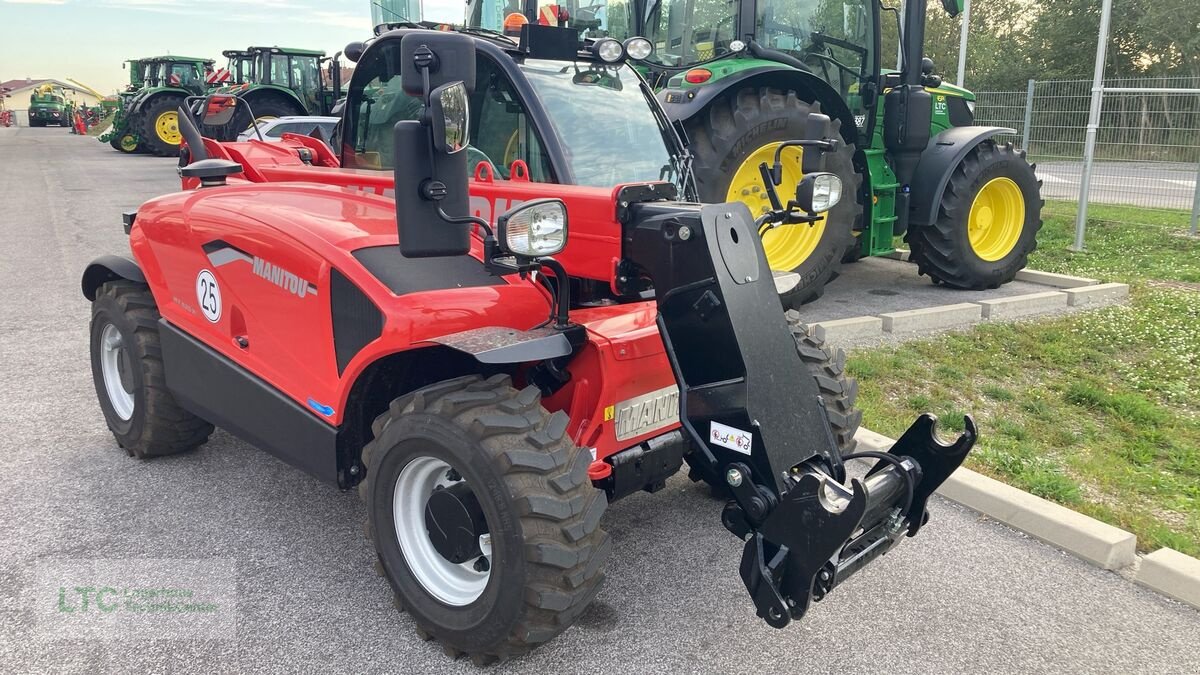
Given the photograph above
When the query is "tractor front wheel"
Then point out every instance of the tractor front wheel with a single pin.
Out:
(987, 223)
(127, 369)
(483, 516)
(839, 391)
(124, 142)
(160, 132)
(741, 130)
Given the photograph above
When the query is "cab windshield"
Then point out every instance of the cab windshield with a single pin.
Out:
(593, 18)
(604, 118)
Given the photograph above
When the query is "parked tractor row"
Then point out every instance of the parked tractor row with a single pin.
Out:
(279, 82)
(534, 274)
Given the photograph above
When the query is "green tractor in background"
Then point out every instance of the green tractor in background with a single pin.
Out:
(120, 136)
(740, 79)
(151, 120)
(278, 82)
(48, 105)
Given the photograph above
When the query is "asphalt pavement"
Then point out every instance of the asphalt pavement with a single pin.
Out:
(966, 596)
(1164, 185)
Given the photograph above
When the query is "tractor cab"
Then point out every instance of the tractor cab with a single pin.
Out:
(281, 82)
(550, 111)
(239, 68)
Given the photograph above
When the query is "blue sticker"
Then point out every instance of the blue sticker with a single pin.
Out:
(321, 408)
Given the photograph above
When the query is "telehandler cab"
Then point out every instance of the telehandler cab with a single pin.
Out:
(466, 375)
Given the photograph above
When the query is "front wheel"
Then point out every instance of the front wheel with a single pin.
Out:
(160, 132)
(483, 516)
(987, 222)
(128, 372)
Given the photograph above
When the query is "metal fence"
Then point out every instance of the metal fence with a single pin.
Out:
(1147, 146)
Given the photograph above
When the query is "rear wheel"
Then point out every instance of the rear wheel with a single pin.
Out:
(127, 369)
(839, 391)
(987, 222)
(483, 516)
(742, 129)
(160, 132)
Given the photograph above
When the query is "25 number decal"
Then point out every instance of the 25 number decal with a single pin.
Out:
(208, 294)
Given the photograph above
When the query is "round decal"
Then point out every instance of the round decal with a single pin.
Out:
(208, 294)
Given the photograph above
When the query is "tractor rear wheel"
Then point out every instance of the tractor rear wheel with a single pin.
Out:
(127, 369)
(987, 223)
(828, 368)
(483, 516)
(742, 129)
(160, 132)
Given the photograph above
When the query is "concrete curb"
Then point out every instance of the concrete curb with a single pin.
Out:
(1173, 574)
(932, 318)
(848, 329)
(1099, 543)
(1099, 294)
(1054, 280)
(1023, 305)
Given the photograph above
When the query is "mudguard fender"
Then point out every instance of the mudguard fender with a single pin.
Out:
(109, 268)
(937, 162)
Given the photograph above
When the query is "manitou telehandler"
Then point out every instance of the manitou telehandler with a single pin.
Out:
(489, 383)
(741, 78)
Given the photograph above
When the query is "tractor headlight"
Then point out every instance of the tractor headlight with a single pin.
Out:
(608, 50)
(639, 48)
(818, 192)
(535, 228)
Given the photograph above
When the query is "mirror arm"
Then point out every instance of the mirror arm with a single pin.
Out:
(770, 181)
(562, 303)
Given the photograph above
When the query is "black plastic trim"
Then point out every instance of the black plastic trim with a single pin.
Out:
(356, 320)
(229, 396)
(937, 162)
(412, 275)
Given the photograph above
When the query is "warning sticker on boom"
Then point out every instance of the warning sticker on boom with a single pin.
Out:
(730, 437)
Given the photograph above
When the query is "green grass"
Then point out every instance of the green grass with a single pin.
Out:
(1099, 410)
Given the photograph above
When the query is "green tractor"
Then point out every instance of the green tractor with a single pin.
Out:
(150, 114)
(279, 82)
(740, 78)
(120, 135)
(48, 105)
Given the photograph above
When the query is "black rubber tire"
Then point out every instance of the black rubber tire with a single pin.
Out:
(828, 367)
(943, 250)
(547, 566)
(149, 136)
(159, 425)
(738, 123)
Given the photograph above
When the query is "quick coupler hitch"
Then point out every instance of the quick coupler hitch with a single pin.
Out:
(802, 544)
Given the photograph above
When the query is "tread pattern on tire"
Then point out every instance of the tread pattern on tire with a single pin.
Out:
(148, 134)
(559, 509)
(167, 428)
(828, 368)
(746, 109)
(936, 248)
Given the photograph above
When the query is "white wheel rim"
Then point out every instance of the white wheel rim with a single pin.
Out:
(451, 583)
(110, 368)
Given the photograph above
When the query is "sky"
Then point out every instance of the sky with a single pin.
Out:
(88, 40)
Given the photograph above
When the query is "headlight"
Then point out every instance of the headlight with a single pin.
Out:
(608, 50)
(818, 192)
(535, 228)
(638, 48)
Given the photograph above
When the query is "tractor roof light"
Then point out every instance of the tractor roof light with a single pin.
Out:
(819, 192)
(639, 48)
(697, 76)
(608, 50)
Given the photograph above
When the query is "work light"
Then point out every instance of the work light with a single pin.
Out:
(535, 228)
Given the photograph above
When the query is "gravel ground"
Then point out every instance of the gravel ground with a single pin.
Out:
(968, 595)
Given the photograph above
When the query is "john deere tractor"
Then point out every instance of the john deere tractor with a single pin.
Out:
(151, 114)
(120, 135)
(740, 78)
(278, 82)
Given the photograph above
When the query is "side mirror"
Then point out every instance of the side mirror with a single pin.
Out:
(533, 229)
(354, 51)
(219, 110)
(450, 118)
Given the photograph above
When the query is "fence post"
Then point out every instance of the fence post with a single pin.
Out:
(1028, 117)
(1196, 202)
(1093, 127)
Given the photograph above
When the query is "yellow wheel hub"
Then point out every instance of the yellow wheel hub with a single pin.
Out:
(128, 142)
(167, 128)
(786, 246)
(997, 219)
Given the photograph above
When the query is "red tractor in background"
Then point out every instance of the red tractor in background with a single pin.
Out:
(490, 382)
